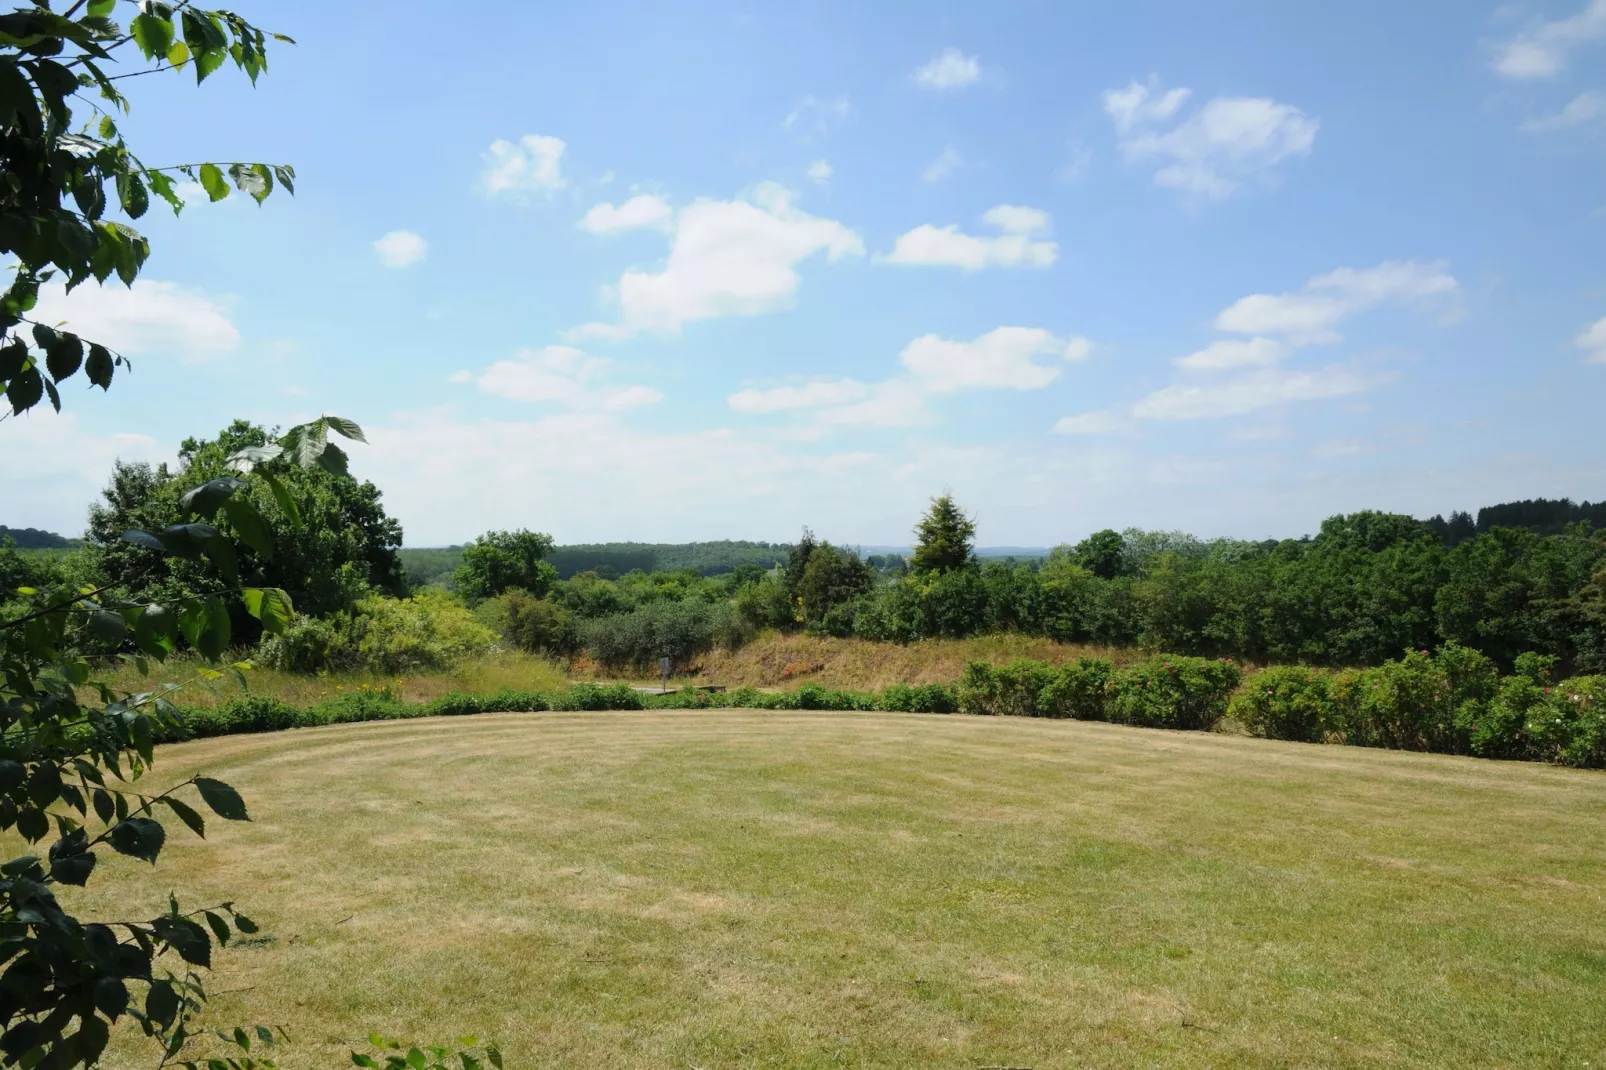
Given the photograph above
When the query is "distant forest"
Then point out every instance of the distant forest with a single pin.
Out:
(35, 539)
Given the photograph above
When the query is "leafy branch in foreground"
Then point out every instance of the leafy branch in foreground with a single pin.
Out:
(62, 188)
(68, 770)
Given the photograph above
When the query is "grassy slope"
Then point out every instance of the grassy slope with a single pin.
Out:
(776, 660)
(822, 890)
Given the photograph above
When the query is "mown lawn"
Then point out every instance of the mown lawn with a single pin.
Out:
(737, 889)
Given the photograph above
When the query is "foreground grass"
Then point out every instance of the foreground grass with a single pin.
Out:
(731, 889)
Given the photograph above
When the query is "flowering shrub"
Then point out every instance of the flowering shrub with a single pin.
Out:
(1080, 690)
(1286, 702)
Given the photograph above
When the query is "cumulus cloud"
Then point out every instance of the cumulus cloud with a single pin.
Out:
(947, 161)
(531, 164)
(950, 69)
(1101, 422)
(804, 396)
(1312, 315)
(1223, 144)
(1005, 358)
(642, 210)
(726, 258)
(1231, 353)
(1017, 246)
(400, 248)
(56, 464)
(151, 318)
(561, 375)
(820, 172)
(1541, 51)
(1261, 389)
(1592, 340)
(1139, 104)
(1586, 107)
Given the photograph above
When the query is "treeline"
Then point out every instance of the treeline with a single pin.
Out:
(35, 539)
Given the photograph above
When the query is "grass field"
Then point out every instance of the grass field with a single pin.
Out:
(633, 890)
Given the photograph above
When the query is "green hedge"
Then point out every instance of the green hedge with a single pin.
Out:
(1449, 702)
(1452, 702)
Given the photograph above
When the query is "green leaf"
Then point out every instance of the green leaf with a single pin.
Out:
(219, 927)
(249, 525)
(33, 824)
(187, 814)
(343, 426)
(108, 627)
(333, 459)
(65, 357)
(205, 499)
(179, 54)
(166, 189)
(212, 182)
(136, 199)
(156, 631)
(161, 1002)
(220, 551)
(144, 539)
(286, 500)
(111, 997)
(271, 606)
(253, 179)
(72, 868)
(153, 35)
(214, 634)
(25, 390)
(138, 837)
(415, 1058)
(98, 366)
(224, 800)
(187, 938)
(366, 1061)
(103, 805)
(101, 9)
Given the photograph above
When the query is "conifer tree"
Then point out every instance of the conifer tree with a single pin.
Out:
(945, 537)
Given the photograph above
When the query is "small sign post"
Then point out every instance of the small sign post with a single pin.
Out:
(663, 671)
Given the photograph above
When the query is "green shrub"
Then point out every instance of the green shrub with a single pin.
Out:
(1568, 724)
(431, 630)
(1175, 692)
(309, 645)
(1286, 702)
(920, 698)
(248, 713)
(678, 631)
(1408, 704)
(1080, 690)
(598, 697)
(361, 705)
(537, 625)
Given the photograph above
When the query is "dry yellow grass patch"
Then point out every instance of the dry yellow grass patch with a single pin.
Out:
(735, 889)
(785, 661)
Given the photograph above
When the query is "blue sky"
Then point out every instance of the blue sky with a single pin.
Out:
(621, 271)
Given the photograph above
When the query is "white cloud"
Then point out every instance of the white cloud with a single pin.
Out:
(57, 466)
(1587, 107)
(642, 210)
(891, 403)
(155, 318)
(1101, 422)
(1231, 353)
(1312, 315)
(1541, 51)
(727, 258)
(533, 163)
(1002, 358)
(816, 116)
(949, 247)
(1215, 150)
(806, 396)
(400, 248)
(1261, 389)
(1138, 104)
(1015, 219)
(943, 166)
(559, 374)
(1592, 340)
(820, 172)
(951, 69)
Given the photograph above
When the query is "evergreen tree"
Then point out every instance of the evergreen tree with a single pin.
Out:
(945, 537)
(798, 560)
